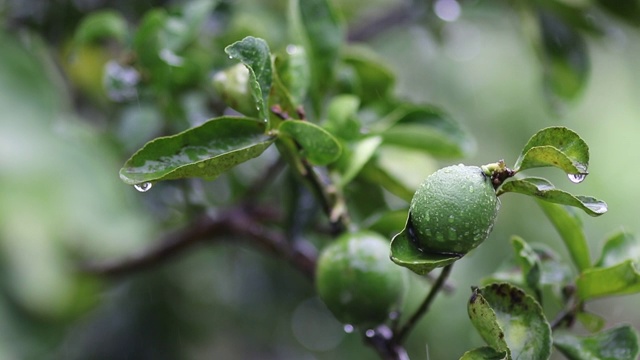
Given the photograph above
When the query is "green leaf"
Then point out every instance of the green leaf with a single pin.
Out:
(372, 81)
(356, 157)
(618, 248)
(590, 321)
(293, 69)
(255, 55)
(570, 229)
(627, 10)
(428, 129)
(564, 57)
(101, 25)
(529, 262)
(484, 353)
(322, 34)
(341, 117)
(405, 253)
(318, 146)
(620, 279)
(542, 189)
(205, 151)
(388, 222)
(504, 314)
(555, 146)
(618, 343)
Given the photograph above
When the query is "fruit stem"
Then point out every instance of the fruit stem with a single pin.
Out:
(498, 172)
(435, 289)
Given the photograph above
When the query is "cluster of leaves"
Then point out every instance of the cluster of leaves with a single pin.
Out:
(359, 140)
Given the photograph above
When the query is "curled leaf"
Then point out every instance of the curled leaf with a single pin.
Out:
(618, 343)
(555, 146)
(544, 190)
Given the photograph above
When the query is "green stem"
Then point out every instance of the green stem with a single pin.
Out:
(424, 307)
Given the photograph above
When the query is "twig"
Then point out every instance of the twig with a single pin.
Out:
(237, 221)
(435, 289)
(381, 339)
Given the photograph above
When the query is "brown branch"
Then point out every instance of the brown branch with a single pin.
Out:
(236, 221)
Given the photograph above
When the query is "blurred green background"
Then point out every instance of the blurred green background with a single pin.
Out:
(63, 140)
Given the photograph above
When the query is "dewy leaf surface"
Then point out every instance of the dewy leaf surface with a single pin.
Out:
(544, 190)
(524, 327)
(485, 320)
(618, 343)
(319, 147)
(255, 55)
(205, 151)
(570, 230)
(555, 146)
(620, 279)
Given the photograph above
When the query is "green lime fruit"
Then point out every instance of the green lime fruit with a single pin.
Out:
(356, 279)
(453, 211)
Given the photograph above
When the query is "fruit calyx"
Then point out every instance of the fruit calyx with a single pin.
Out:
(498, 172)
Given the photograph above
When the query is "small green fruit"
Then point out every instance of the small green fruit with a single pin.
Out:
(453, 211)
(356, 279)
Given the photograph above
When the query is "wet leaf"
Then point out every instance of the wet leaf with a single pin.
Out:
(618, 343)
(570, 229)
(406, 254)
(484, 353)
(255, 55)
(517, 321)
(318, 146)
(427, 129)
(620, 279)
(618, 248)
(564, 58)
(542, 189)
(205, 151)
(555, 146)
(322, 34)
(101, 25)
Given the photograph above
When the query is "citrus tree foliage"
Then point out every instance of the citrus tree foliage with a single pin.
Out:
(314, 119)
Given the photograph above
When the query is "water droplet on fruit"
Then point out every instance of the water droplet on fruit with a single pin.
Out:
(369, 333)
(576, 178)
(453, 236)
(471, 189)
(428, 232)
(144, 187)
(451, 219)
(426, 216)
(348, 328)
(439, 236)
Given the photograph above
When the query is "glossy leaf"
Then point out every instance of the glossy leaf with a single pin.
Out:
(620, 279)
(322, 34)
(318, 146)
(205, 151)
(555, 146)
(565, 59)
(101, 25)
(618, 343)
(618, 248)
(427, 129)
(405, 253)
(255, 55)
(542, 189)
(570, 229)
(519, 321)
(484, 353)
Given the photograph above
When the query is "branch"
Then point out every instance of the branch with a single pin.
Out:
(235, 221)
(437, 286)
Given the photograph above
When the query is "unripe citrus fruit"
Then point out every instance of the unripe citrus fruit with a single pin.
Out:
(453, 211)
(356, 279)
